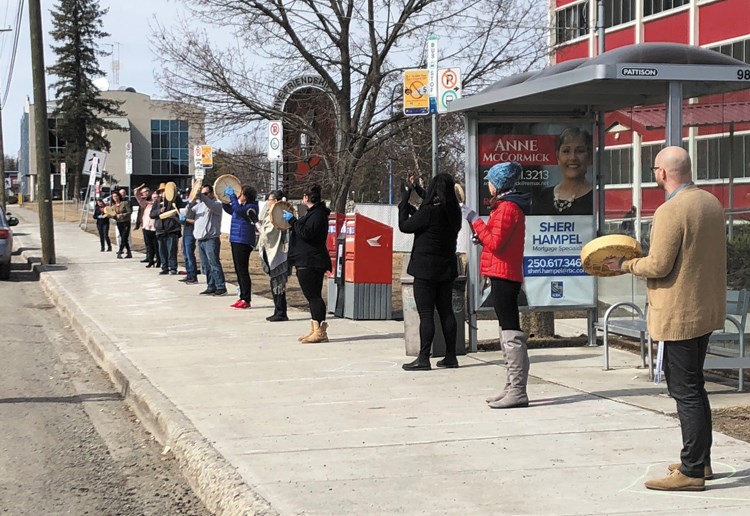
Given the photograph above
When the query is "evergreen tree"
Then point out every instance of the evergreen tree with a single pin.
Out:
(80, 110)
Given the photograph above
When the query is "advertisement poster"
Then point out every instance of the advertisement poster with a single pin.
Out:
(557, 160)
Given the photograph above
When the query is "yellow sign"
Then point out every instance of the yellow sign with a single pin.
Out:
(416, 92)
(207, 156)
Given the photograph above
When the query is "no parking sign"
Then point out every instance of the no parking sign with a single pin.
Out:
(275, 145)
(449, 87)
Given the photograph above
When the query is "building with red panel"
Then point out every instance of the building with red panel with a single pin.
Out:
(717, 128)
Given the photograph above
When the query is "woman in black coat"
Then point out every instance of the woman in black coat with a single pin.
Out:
(435, 226)
(309, 255)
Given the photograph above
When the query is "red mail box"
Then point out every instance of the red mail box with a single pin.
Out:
(335, 223)
(369, 251)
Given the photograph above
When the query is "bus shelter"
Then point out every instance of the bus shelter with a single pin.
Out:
(535, 118)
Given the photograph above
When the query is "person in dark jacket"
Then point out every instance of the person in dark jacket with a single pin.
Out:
(123, 210)
(308, 253)
(435, 226)
(102, 225)
(502, 238)
(167, 233)
(244, 212)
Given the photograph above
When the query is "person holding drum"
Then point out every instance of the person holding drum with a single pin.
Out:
(502, 239)
(435, 226)
(102, 225)
(123, 211)
(244, 212)
(273, 246)
(168, 230)
(308, 253)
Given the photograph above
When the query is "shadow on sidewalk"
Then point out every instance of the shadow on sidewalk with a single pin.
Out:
(535, 359)
(561, 400)
(379, 336)
(729, 480)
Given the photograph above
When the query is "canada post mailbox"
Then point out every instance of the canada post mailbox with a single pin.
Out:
(368, 271)
(335, 223)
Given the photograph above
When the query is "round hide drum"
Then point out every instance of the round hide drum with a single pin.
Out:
(599, 249)
(224, 182)
(460, 194)
(195, 190)
(277, 215)
(110, 211)
(170, 192)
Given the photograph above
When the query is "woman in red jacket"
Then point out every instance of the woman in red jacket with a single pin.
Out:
(502, 238)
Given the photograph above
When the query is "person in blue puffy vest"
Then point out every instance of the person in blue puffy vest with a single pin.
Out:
(242, 238)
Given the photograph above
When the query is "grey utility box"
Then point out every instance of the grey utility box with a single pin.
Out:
(411, 316)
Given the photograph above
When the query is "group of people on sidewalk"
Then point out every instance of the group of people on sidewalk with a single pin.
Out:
(686, 282)
(198, 222)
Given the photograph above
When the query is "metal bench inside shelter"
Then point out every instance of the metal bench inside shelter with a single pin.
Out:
(726, 349)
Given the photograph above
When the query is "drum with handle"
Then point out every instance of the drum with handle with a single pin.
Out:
(600, 249)
(224, 182)
(195, 190)
(277, 215)
(169, 213)
(170, 192)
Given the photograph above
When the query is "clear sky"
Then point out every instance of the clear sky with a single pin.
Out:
(127, 23)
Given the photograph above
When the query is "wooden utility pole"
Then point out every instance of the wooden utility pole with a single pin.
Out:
(3, 200)
(41, 135)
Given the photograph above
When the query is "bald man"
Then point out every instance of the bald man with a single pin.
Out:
(686, 272)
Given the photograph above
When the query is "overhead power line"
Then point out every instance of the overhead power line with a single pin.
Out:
(16, 36)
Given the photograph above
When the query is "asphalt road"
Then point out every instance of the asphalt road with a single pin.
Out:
(68, 443)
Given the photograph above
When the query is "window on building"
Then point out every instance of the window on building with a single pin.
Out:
(648, 154)
(618, 166)
(169, 147)
(656, 6)
(56, 144)
(572, 22)
(617, 12)
(738, 50)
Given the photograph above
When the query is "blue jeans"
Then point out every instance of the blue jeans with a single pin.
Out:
(211, 264)
(188, 252)
(168, 251)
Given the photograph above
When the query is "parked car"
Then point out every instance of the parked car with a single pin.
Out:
(6, 242)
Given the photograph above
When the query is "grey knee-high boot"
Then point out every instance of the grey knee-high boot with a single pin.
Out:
(502, 393)
(517, 359)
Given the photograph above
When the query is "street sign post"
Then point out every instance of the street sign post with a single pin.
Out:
(416, 92)
(94, 165)
(449, 87)
(129, 158)
(200, 172)
(207, 156)
(275, 140)
(88, 164)
(63, 175)
(432, 68)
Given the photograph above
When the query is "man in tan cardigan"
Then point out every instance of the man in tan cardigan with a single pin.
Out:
(686, 280)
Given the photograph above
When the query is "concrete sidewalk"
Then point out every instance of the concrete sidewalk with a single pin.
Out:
(262, 424)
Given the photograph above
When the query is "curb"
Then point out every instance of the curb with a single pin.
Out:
(215, 481)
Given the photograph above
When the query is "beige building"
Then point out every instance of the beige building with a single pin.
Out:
(160, 133)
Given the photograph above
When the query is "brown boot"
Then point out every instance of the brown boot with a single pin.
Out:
(708, 473)
(676, 481)
(318, 335)
(312, 329)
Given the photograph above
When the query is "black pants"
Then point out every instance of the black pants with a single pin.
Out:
(683, 367)
(102, 226)
(241, 258)
(430, 295)
(124, 229)
(311, 283)
(505, 301)
(149, 238)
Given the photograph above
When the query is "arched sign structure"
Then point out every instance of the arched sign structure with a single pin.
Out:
(537, 104)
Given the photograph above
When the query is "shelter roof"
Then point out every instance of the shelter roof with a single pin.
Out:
(634, 75)
(642, 119)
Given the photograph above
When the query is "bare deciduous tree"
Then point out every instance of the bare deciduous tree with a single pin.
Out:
(358, 47)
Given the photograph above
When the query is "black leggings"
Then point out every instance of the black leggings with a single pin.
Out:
(102, 226)
(124, 229)
(241, 258)
(311, 283)
(430, 295)
(505, 301)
